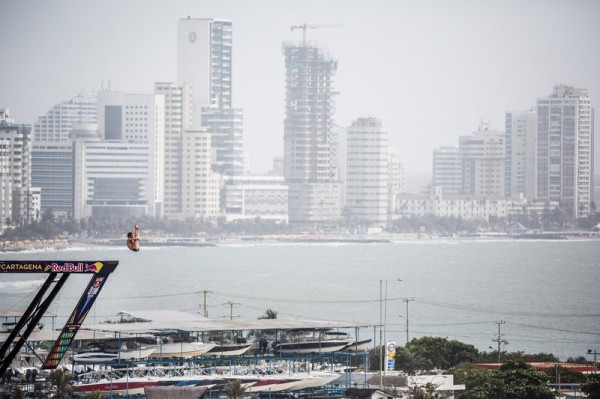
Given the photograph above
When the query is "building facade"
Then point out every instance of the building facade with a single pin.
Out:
(483, 162)
(565, 149)
(178, 118)
(448, 170)
(310, 154)
(119, 163)
(520, 167)
(19, 201)
(250, 197)
(52, 154)
(396, 179)
(367, 172)
(204, 61)
(201, 186)
(226, 128)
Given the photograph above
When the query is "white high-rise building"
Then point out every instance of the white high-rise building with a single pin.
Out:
(119, 165)
(367, 172)
(521, 137)
(396, 179)
(19, 202)
(178, 114)
(200, 193)
(204, 61)
(447, 170)
(483, 162)
(565, 149)
(310, 154)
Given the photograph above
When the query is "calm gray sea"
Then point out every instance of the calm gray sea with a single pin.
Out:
(547, 292)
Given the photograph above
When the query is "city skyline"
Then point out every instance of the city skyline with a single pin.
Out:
(429, 71)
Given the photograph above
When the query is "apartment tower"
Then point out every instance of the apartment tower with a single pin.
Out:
(309, 137)
(565, 149)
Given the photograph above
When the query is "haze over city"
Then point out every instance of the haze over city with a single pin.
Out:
(430, 70)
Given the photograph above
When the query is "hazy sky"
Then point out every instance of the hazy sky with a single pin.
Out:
(430, 70)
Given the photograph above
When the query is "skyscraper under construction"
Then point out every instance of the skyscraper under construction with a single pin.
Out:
(309, 139)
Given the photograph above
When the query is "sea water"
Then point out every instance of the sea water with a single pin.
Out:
(547, 293)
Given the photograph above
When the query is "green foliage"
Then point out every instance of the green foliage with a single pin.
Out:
(592, 387)
(567, 376)
(513, 380)
(492, 357)
(466, 371)
(441, 353)
(270, 314)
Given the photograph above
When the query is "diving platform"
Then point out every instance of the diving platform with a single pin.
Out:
(58, 272)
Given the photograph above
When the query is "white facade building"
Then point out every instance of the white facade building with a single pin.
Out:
(448, 170)
(55, 125)
(464, 206)
(200, 189)
(19, 202)
(367, 172)
(483, 162)
(521, 137)
(178, 118)
(565, 149)
(204, 61)
(396, 179)
(249, 197)
(119, 165)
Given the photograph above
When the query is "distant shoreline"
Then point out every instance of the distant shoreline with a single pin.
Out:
(64, 244)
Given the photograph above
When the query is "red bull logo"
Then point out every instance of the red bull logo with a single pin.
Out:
(67, 267)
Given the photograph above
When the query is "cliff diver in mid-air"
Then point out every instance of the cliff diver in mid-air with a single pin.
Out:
(133, 239)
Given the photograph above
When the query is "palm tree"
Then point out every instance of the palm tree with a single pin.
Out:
(270, 314)
(234, 389)
(62, 383)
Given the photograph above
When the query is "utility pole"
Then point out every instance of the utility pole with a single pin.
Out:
(231, 306)
(595, 353)
(499, 338)
(204, 306)
(407, 300)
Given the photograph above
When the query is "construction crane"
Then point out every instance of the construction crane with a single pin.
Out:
(305, 26)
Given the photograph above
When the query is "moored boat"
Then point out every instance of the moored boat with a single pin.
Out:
(229, 350)
(358, 346)
(106, 357)
(181, 350)
(310, 346)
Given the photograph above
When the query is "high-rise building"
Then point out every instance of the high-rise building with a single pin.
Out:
(396, 179)
(200, 193)
(367, 172)
(483, 162)
(447, 170)
(19, 201)
(565, 149)
(52, 154)
(521, 136)
(226, 128)
(204, 61)
(309, 136)
(178, 114)
(119, 166)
